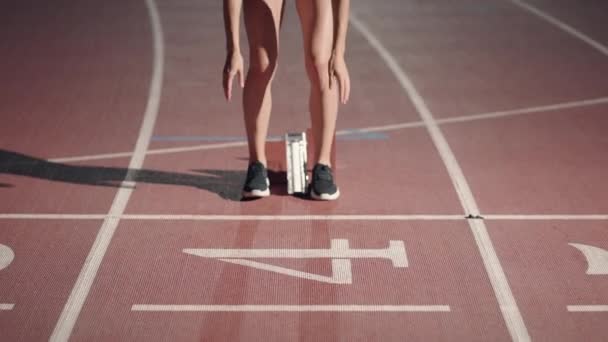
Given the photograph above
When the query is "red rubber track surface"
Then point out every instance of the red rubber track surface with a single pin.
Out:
(521, 103)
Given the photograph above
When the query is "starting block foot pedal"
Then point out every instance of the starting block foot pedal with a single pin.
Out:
(296, 153)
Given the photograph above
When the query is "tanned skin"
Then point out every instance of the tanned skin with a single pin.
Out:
(324, 28)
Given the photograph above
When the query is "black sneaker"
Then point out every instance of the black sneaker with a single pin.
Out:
(322, 186)
(256, 184)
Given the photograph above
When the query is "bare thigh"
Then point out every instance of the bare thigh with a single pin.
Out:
(262, 23)
(316, 18)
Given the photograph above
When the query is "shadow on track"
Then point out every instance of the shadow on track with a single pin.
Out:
(225, 183)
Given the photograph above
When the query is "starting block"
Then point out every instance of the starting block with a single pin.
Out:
(296, 153)
(288, 160)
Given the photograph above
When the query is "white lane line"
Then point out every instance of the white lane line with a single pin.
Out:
(295, 217)
(187, 217)
(28, 216)
(290, 308)
(588, 308)
(150, 152)
(529, 110)
(6, 307)
(388, 217)
(80, 291)
(384, 128)
(565, 27)
(498, 279)
(550, 217)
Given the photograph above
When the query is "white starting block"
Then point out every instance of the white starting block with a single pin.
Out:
(296, 153)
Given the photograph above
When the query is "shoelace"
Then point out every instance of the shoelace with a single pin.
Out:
(323, 173)
(253, 170)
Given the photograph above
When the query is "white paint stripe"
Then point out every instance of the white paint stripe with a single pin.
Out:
(6, 307)
(178, 217)
(91, 157)
(521, 111)
(150, 152)
(508, 306)
(290, 308)
(567, 28)
(80, 291)
(341, 276)
(414, 217)
(395, 252)
(25, 216)
(296, 217)
(546, 217)
(588, 308)
(384, 128)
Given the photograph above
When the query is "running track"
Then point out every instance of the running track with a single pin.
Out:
(471, 160)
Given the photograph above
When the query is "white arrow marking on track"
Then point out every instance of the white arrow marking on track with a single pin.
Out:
(597, 258)
(340, 253)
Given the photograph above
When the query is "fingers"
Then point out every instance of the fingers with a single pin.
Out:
(241, 78)
(229, 80)
(342, 89)
(346, 88)
(233, 66)
(340, 75)
(228, 77)
(344, 82)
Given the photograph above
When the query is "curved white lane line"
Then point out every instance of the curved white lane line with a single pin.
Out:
(80, 291)
(498, 279)
(565, 27)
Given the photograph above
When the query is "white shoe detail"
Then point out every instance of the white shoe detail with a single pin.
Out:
(325, 197)
(258, 193)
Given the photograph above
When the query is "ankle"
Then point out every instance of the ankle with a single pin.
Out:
(324, 162)
(262, 161)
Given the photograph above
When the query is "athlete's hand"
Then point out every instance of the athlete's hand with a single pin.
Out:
(233, 66)
(338, 69)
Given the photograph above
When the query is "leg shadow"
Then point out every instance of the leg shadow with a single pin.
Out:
(225, 183)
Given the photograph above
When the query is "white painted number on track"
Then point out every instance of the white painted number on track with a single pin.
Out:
(597, 258)
(339, 253)
(6, 256)
(597, 264)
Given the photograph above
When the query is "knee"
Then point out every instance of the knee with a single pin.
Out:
(262, 63)
(317, 66)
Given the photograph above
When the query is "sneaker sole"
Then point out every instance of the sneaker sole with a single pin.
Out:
(325, 197)
(257, 193)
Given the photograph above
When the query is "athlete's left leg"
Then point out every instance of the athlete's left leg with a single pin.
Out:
(317, 21)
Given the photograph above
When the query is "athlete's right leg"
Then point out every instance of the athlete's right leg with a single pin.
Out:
(262, 23)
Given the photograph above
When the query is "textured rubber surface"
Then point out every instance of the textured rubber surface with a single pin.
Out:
(521, 104)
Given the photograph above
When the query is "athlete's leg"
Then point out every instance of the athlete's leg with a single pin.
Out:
(262, 22)
(316, 19)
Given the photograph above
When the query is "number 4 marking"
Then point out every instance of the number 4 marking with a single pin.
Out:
(339, 253)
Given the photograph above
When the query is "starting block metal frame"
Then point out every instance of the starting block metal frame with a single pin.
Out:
(296, 154)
